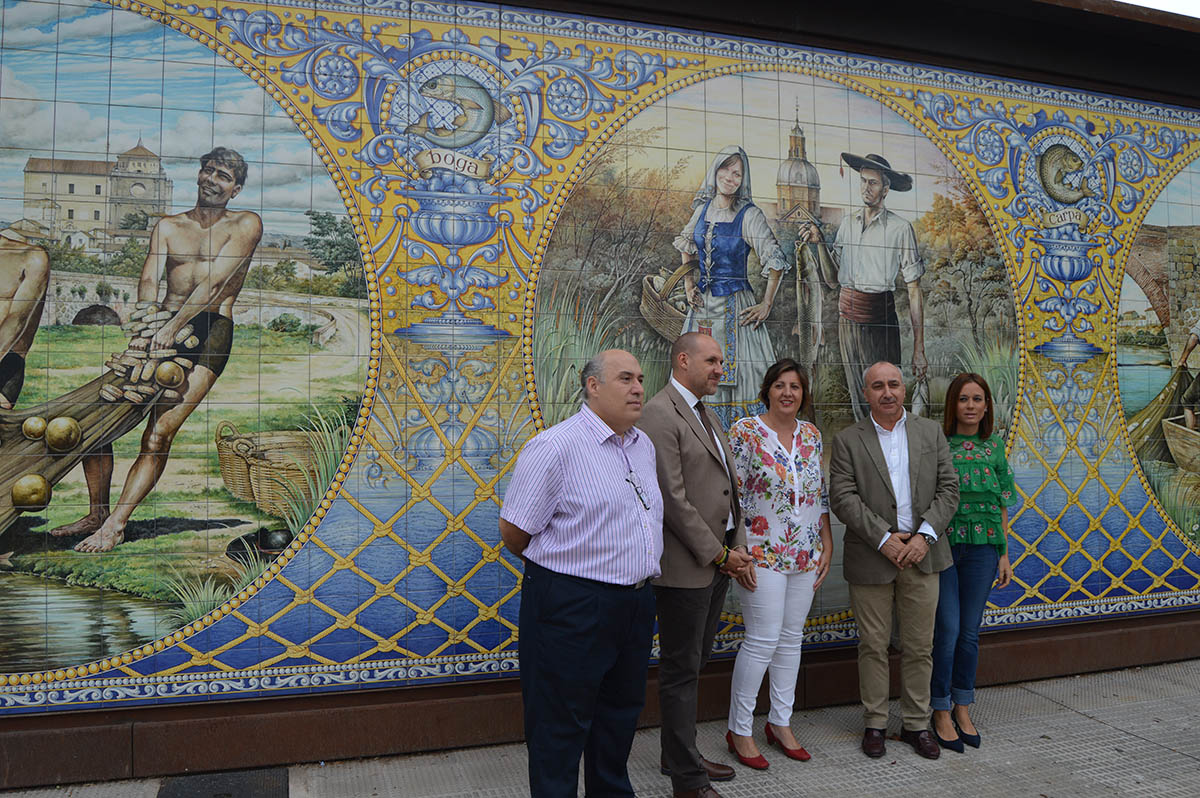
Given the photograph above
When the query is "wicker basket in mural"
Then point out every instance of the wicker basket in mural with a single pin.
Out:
(656, 308)
(233, 450)
(282, 471)
(257, 467)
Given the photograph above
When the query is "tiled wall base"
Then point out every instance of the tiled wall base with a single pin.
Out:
(94, 746)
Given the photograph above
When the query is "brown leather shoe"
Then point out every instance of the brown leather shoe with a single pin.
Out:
(922, 742)
(703, 792)
(715, 770)
(873, 744)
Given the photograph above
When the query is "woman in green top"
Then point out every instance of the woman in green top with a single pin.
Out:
(978, 541)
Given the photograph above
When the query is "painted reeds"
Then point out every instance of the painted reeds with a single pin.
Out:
(997, 362)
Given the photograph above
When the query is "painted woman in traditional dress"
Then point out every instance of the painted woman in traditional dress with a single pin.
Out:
(717, 240)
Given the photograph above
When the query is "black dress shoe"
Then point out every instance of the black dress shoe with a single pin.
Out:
(955, 745)
(703, 792)
(715, 770)
(873, 744)
(922, 742)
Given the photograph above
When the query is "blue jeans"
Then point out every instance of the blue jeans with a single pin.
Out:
(964, 589)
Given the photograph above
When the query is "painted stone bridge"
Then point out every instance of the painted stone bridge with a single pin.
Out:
(1165, 263)
(79, 298)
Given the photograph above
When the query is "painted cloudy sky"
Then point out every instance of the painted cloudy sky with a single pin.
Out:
(80, 80)
(85, 81)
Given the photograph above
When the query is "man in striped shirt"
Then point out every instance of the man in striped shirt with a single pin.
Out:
(583, 509)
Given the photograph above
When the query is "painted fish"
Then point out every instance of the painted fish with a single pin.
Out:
(479, 111)
(809, 306)
(920, 397)
(815, 273)
(1053, 166)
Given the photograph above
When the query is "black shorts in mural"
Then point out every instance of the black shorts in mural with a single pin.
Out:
(12, 376)
(216, 340)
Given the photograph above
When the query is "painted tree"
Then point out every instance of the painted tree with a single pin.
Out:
(135, 220)
(965, 274)
(129, 260)
(66, 258)
(332, 242)
(285, 272)
(621, 217)
(259, 276)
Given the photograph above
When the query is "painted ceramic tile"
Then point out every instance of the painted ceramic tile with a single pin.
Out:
(446, 210)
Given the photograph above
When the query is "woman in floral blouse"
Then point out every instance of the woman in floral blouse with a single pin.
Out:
(786, 508)
(978, 541)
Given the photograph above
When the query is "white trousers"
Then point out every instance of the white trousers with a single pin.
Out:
(774, 614)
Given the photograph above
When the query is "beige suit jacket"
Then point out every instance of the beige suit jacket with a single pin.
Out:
(696, 490)
(860, 494)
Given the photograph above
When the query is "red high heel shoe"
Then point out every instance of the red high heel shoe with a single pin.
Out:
(791, 753)
(757, 762)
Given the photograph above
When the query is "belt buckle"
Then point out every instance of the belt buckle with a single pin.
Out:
(641, 583)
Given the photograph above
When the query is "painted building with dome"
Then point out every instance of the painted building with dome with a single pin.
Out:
(797, 184)
(798, 187)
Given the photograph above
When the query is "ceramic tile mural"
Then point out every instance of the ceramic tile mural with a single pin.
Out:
(276, 409)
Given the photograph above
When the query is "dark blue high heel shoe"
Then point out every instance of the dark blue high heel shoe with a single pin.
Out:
(955, 745)
(972, 740)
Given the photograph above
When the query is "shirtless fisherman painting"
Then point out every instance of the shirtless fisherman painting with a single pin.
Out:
(203, 254)
(24, 275)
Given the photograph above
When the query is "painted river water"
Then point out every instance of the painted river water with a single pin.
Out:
(1141, 372)
(45, 623)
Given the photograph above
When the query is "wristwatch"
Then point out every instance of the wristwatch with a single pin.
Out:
(929, 539)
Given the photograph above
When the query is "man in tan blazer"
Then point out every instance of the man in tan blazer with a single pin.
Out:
(703, 544)
(891, 482)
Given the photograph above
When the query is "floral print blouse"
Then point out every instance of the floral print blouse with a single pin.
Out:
(783, 494)
(985, 485)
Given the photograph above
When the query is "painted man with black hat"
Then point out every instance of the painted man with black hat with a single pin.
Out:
(872, 247)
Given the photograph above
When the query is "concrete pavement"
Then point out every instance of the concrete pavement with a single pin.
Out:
(1125, 733)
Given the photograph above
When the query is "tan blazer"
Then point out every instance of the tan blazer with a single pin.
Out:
(860, 494)
(696, 490)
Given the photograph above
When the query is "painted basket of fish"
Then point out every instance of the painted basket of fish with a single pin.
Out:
(663, 312)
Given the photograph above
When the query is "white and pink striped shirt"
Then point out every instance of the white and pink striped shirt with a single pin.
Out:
(590, 500)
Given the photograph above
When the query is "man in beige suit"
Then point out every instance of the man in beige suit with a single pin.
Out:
(891, 482)
(703, 544)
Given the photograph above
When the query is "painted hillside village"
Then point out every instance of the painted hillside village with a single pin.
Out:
(237, 476)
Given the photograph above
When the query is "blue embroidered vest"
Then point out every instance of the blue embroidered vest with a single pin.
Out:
(727, 273)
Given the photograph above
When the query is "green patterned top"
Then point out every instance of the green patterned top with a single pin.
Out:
(985, 482)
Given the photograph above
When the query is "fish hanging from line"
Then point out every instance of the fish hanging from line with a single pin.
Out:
(811, 283)
(809, 306)
(1053, 166)
(479, 111)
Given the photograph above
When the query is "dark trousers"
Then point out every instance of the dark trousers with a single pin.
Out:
(687, 624)
(584, 650)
